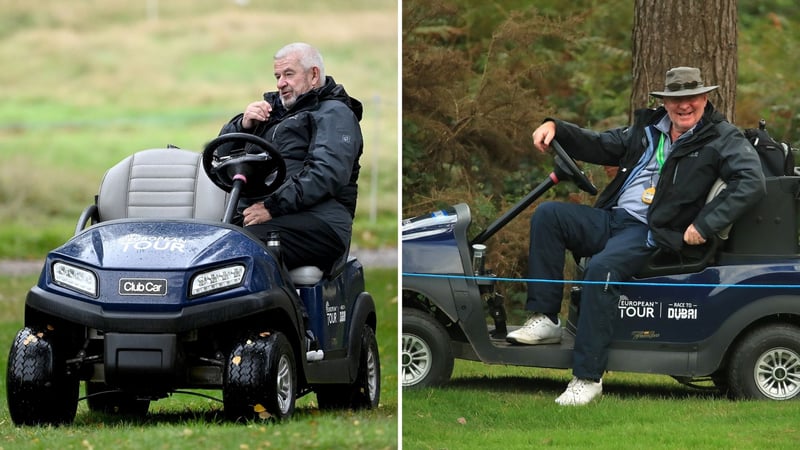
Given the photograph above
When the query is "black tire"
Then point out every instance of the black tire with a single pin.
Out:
(38, 388)
(260, 379)
(720, 380)
(427, 359)
(99, 399)
(365, 391)
(766, 364)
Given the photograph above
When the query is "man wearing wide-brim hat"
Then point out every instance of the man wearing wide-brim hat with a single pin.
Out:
(683, 82)
(667, 160)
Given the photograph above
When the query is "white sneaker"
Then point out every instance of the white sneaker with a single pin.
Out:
(537, 330)
(580, 392)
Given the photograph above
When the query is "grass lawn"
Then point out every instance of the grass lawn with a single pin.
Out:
(190, 422)
(508, 407)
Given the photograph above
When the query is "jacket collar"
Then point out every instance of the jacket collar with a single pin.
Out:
(328, 91)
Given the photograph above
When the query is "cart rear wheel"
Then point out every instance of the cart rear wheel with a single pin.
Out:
(260, 379)
(39, 389)
(426, 355)
(365, 391)
(766, 364)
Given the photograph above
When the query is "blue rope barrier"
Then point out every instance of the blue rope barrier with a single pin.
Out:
(620, 283)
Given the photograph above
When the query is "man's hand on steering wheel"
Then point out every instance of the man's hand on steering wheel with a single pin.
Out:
(566, 166)
(543, 135)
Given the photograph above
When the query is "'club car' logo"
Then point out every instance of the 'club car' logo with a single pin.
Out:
(142, 286)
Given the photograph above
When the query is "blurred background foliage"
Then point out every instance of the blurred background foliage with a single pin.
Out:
(478, 77)
(87, 83)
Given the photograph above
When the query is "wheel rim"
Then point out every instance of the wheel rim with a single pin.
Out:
(777, 373)
(417, 359)
(372, 375)
(285, 389)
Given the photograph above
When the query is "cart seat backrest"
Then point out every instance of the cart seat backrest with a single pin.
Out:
(715, 190)
(170, 184)
(160, 183)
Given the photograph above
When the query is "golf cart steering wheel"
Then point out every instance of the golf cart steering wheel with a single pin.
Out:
(260, 164)
(567, 169)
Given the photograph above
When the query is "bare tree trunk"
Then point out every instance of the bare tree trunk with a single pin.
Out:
(695, 33)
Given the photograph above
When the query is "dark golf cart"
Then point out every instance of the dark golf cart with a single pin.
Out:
(731, 316)
(162, 293)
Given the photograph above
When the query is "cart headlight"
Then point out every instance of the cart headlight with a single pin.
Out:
(75, 278)
(217, 280)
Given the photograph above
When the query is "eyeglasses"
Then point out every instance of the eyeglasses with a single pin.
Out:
(672, 87)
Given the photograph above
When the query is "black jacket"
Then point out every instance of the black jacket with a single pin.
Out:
(320, 140)
(716, 150)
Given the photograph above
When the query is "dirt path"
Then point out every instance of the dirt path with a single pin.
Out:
(17, 268)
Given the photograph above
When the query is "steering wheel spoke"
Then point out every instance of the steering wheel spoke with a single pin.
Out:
(567, 168)
(262, 171)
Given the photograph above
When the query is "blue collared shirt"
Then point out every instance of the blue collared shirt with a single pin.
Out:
(645, 173)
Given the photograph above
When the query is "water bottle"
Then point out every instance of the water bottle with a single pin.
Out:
(478, 256)
(274, 243)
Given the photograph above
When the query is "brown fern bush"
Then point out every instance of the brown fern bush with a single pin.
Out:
(471, 98)
(475, 86)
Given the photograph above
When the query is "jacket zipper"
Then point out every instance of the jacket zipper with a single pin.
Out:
(275, 130)
(675, 174)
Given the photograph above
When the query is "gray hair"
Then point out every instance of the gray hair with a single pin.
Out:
(307, 55)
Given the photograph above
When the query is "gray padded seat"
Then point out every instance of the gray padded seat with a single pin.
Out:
(305, 275)
(170, 184)
(160, 183)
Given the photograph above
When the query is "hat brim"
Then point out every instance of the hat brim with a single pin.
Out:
(683, 93)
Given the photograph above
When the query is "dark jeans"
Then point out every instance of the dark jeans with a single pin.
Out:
(617, 244)
(305, 240)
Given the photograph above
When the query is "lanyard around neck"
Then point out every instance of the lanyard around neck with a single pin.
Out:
(660, 153)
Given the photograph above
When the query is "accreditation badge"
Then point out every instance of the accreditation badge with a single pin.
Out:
(648, 194)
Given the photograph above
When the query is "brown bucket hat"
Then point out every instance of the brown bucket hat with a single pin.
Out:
(683, 82)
